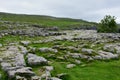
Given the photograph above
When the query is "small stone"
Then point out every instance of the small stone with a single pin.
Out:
(97, 57)
(54, 78)
(70, 66)
(62, 75)
(48, 50)
(49, 68)
(36, 78)
(87, 51)
(77, 61)
(1, 45)
(25, 43)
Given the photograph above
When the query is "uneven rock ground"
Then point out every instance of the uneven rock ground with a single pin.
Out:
(33, 59)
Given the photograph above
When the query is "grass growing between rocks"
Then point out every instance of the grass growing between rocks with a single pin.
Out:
(17, 38)
(96, 70)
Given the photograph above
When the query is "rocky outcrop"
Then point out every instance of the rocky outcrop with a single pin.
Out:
(13, 63)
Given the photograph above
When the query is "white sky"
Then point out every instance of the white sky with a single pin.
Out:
(91, 10)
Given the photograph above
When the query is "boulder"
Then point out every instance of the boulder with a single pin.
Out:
(36, 60)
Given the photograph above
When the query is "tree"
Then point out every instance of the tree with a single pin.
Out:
(108, 25)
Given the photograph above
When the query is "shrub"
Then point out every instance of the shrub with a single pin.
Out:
(108, 25)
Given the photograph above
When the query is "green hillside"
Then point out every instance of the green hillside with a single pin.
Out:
(46, 21)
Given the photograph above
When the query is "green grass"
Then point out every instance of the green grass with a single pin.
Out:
(93, 71)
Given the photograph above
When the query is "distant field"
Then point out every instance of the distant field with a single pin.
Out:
(46, 21)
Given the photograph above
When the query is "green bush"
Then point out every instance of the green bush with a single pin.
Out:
(108, 25)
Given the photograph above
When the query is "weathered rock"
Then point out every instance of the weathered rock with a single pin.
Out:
(48, 50)
(46, 75)
(77, 61)
(87, 51)
(32, 49)
(54, 78)
(49, 68)
(72, 48)
(70, 66)
(20, 78)
(117, 48)
(25, 43)
(98, 57)
(19, 60)
(36, 60)
(23, 49)
(1, 45)
(107, 55)
(13, 63)
(36, 78)
(13, 49)
(25, 71)
(109, 47)
(78, 56)
(5, 66)
(1, 60)
(62, 75)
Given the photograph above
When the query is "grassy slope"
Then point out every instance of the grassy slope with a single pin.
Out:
(45, 20)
